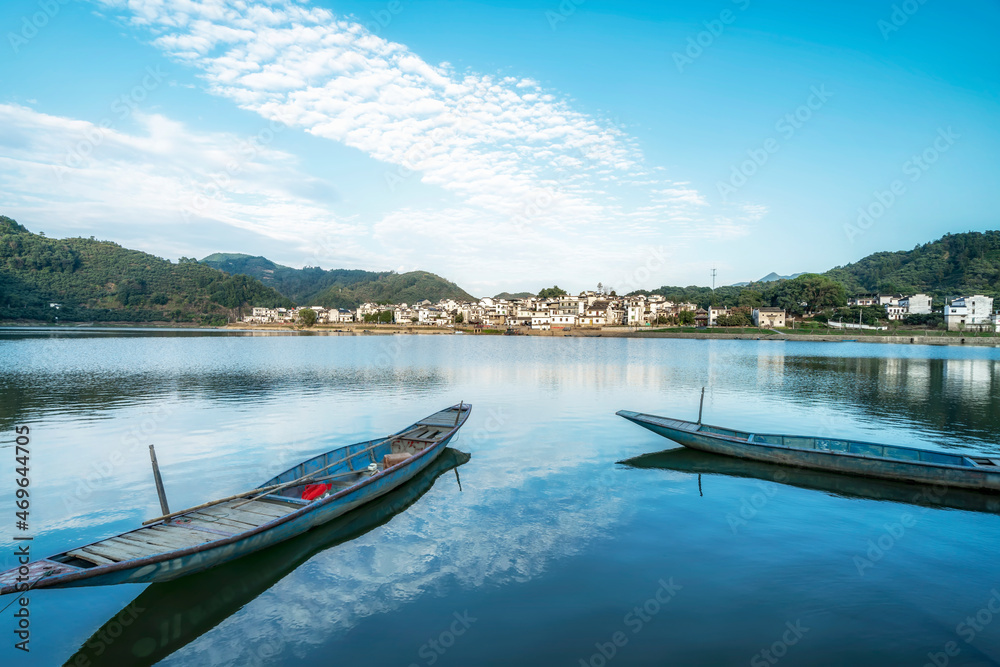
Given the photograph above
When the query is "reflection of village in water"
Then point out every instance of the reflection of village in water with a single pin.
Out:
(546, 485)
(954, 395)
(169, 616)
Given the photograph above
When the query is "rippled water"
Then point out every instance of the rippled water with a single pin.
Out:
(551, 552)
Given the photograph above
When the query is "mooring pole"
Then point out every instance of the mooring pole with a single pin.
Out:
(460, 408)
(701, 404)
(159, 481)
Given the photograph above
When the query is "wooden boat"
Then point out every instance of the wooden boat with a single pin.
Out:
(843, 456)
(202, 537)
(193, 605)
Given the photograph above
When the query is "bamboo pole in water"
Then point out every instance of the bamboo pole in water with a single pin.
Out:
(159, 481)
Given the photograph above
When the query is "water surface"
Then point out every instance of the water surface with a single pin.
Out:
(551, 550)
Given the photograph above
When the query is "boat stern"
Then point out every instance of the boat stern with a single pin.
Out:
(38, 574)
(462, 412)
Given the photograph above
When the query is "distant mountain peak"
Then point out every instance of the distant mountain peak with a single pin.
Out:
(339, 288)
(770, 278)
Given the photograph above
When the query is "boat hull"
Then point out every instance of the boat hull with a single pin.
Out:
(194, 605)
(172, 564)
(959, 476)
(307, 519)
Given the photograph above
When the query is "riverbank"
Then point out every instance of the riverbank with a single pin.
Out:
(363, 329)
(983, 341)
(911, 338)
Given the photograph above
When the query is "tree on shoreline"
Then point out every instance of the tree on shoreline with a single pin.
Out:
(307, 317)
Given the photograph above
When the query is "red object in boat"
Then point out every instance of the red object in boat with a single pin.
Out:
(314, 491)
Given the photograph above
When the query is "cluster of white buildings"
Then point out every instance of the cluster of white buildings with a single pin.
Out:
(588, 309)
(896, 306)
(594, 309)
(971, 313)
(763, 317)
(964, 313)
(291, 315)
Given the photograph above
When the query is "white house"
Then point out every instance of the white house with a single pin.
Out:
(434, 316)
(889, 299)
(261, 315)
(918, 304)
(969, 313)
(863, 300)
(340, 316)
(595, 315)
(768, 317)
(635, 315)
(541, 322)
(895, 311)
(713, 315)
(571, 305)
(403, 314)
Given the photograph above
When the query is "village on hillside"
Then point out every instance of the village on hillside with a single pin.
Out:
(596, 310)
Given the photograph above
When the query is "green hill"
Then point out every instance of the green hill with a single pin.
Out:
(339, 288)
(955, 264)
(101, 281)
(967, 263)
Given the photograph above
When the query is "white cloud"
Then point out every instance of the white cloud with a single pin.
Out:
(512, 183)
(513, 155)
(57, 169)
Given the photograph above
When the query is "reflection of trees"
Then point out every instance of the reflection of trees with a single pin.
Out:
(959, 397)
(24, 396)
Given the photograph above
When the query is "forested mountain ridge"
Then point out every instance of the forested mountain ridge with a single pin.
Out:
(955, 264)
(93, 280)
(340, 288)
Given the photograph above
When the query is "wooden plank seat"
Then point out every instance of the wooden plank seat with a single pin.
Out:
(264, 507)
(188, 530)
(142, 543)
(447, 422)
(443, 418)
(409, 439)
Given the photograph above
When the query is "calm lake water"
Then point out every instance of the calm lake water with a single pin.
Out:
(542, 549)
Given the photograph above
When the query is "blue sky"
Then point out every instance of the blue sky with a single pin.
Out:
(504, 145)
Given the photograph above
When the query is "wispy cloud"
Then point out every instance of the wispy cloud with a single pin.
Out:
(532, 189)
(56, 169)
(495, 142)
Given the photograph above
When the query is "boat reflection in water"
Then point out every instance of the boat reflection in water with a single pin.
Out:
(694, 461)
(175, 613)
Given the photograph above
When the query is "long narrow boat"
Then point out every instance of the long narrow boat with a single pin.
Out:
(852, 457)
(192, 606)
(303, 497)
